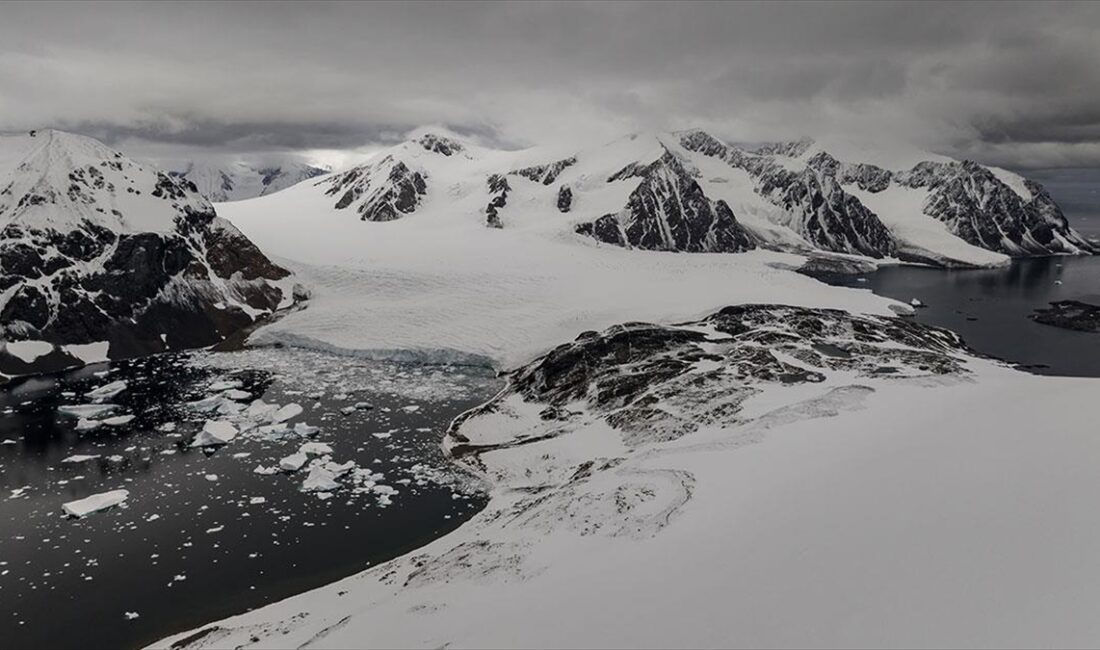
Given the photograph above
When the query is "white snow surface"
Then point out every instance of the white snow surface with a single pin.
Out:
(438, 283)
(892, 513)
(95, 503)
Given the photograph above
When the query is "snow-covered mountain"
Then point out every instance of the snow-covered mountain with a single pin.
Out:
(691, 192)
(243, 180)
(102, 256)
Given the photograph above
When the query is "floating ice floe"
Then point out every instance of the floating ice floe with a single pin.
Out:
(348, 410)
(87, 425)
(79, 458)
(107, 391)
(95, 503)
(916, 302)
(320, 479)
(286, 412)
(265, 470)
(306, 430)
(8, 441)
(129, 616)
(315, 449)
(237, 395)
(255, 501)
(167, 427)
(293, 462)
(214, 433)
(219, 386)
(86, 410)
(118, 420)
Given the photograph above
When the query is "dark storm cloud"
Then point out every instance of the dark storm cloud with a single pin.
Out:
(1010, 83)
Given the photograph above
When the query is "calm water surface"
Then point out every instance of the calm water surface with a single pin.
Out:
(990, 308)
(202, 536)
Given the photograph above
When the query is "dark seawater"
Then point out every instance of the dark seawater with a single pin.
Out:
(191, 544)
(990, 308)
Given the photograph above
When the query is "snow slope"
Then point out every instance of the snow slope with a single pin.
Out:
(438, 281)
(932, 509)
(240, 180)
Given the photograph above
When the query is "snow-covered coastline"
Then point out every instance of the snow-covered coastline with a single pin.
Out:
(865, 483)
(854, 510)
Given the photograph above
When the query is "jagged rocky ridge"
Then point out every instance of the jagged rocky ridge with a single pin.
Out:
(97, 249)
(691, 192)
(669, 211)
(655, 383)
(976, 205)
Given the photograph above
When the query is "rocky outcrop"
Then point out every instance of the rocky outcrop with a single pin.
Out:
(382, 191)
(1071, 315)
(97, 248)
(565, 199)
(812, 201)
(548, 173)
(439, 144)
(655, 383)
(981, 209)
(498, 198)
(669, 211)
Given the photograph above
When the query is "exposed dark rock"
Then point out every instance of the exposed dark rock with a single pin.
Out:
(498, 193)
(655, 383)
(565, 199)
(380, 198)
(1071, 315)
(669, 211)
(439, 144)
(548, 173)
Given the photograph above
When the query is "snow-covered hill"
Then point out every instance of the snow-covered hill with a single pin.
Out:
(243, 180)
(105, 257)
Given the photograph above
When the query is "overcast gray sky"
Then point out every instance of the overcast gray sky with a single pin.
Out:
(1010, 84)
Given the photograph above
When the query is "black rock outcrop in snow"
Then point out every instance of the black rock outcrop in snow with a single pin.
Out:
(669, 211)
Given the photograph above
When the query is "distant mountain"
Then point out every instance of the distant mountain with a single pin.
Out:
(691, 192)
(102, 256)
(241, 180)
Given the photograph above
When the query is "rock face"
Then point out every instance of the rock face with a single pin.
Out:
(382, 191)
(565, 199)
(669, 211)
(498, 193)
(548, 173)
(983, 210)
(813, 203)
(239, 181)
(94, 248)
(655, 383)
(987, 208)
(1071, 315)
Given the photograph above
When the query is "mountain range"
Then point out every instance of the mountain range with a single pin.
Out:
(242, 180)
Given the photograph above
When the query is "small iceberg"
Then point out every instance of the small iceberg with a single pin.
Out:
(215, 433)
(95, 503)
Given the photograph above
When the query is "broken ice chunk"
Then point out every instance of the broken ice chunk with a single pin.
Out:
(107, 391)
(320, 479)
(86, 410)
(306, 430)
(315, 449)
(87, 425)
(118, 420)
(293, 462)
(286, 412)
(215, 432)
(263, 469)
(79, 458)
(237, 395)
(95, 503)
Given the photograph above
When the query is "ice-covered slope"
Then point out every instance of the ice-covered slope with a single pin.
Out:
(243, 180)
(407, 264)
(764, 477)
(97, 250)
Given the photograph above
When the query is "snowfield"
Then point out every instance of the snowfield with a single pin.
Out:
(895, 493)
(439, 284)
(927, 511)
